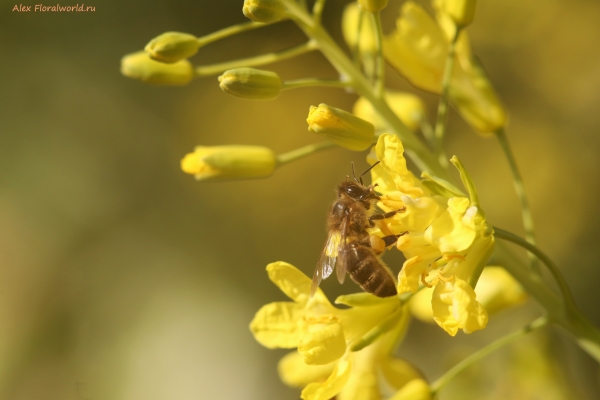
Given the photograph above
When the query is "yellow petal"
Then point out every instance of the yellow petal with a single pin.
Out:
(410, 274)
(279, 325)
(332, 386)
(408, 107)
(390, 152)
(324, 345)
(294, 372)
(447, 232)
(292, 282)
(455, 307)
(417, 389)
(341, 127)
(399, 372)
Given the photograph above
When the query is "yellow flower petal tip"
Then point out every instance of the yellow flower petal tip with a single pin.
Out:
(250, 83)
(229, 162)
(341, 127)
(140, 66)
(264, 11)
(171, 47)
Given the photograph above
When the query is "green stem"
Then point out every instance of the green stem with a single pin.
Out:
(440, 124)
(560, 280)
(422, 157)
(356, 49)
(520, 190)
(318, 10)
(380, 67)
(302, 152)
(477, 356)
(572, 320)
(207, 70)
(297, 83)
(230, 31)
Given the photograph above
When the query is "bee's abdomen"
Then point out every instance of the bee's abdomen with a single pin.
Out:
(366, 269)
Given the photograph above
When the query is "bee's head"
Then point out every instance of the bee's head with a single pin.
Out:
(357, 192)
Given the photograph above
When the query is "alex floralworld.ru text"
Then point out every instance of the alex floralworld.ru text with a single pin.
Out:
(53, 8)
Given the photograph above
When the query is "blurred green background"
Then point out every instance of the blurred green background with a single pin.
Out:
(123, 278)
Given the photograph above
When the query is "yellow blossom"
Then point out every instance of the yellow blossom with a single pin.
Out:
(447, 244)
(229, 162)
(418, 49)
(140, 66)
(327, 363)
(341, 127)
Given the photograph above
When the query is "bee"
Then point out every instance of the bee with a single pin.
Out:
(350, 245)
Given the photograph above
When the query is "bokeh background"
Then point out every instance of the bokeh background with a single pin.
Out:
(122, 278)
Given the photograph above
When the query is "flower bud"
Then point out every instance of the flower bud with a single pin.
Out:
(350, 22)
(461, 11)
(171, 47)
(220, 163)
(417, 389)
(341, 127)
(373, 5)
(140, 66)
(250, 83)
(264, 11)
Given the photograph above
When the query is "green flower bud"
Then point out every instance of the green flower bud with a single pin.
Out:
(341, 127)
(264, 11)
(140, 66)
(221, 163)
(250, 83)
(171, 47)
(373, 5)
(461, 11)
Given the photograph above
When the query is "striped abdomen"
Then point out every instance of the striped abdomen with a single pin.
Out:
(367, 270)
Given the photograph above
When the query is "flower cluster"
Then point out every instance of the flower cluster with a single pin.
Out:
(345, 353)
(448, 240)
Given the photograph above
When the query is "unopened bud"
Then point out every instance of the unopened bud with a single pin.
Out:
(350, 23)
(417, 389)
(264, 11)
(250, 83)
(140, 66)
(341, 127)
(373, 5)
(461, 11)
(221, 163)
(171, 47)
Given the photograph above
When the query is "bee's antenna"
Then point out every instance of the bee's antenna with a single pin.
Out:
(354, 174)
(368, 169)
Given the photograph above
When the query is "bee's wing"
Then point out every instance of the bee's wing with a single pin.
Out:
(342, 261)
(326, 261)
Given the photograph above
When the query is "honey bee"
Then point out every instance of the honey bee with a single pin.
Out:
(349, 243)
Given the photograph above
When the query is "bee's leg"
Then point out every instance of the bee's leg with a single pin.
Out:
(379, 217)
(379, 244)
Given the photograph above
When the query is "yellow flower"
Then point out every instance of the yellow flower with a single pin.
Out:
(338, 354)
(264, 11)
(229, 162)
(341, 127)
(496, 290)
(447, 244)
(140, 66)
(408, 107)
(418, 49)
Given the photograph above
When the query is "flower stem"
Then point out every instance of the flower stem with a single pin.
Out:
(207, 70)
(318, 10)
(440, 124)
(297, 83)
(560, 280)
(230, 31)
(380, 67)
(475, 357)
(520, 190)
(302, 152)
